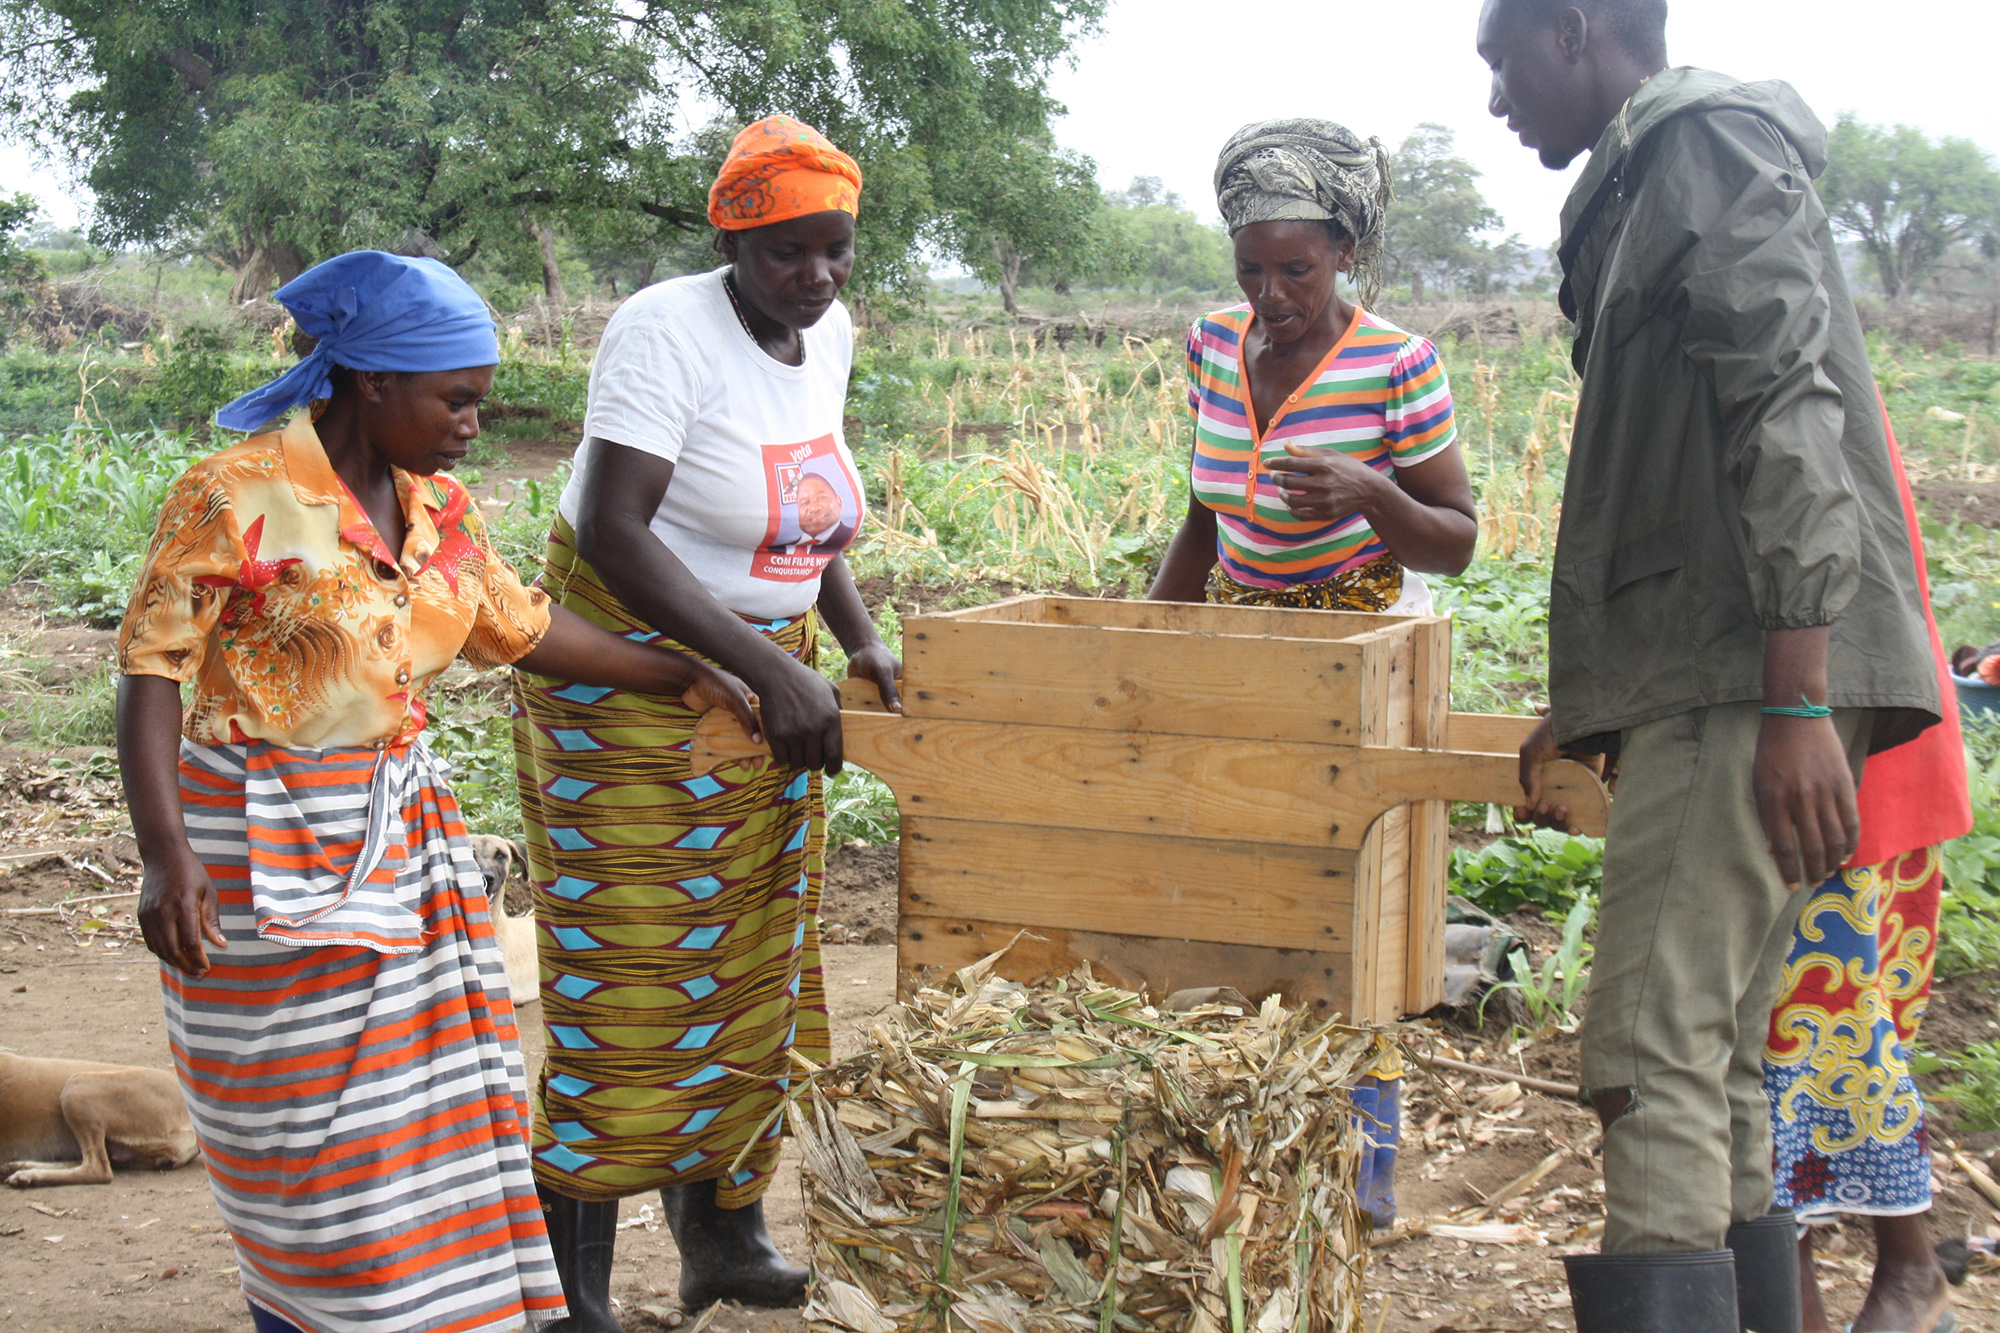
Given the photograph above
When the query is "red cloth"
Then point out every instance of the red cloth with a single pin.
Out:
(1915, 795)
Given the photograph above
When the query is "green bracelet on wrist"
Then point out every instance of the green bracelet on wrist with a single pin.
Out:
(1805, 709)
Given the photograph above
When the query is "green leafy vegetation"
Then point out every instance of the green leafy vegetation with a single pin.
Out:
(1548, 868)
(860, 808)
(1549, 994)
(1438, 242)
(1907, 199)
(1969, 922)
(77, 512)
(22, 271)
(472, 733)
(511, 137)
(1976, 1093)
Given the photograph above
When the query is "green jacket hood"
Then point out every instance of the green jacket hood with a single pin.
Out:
(1685, 88)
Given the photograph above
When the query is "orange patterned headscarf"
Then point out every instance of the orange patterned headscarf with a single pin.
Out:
(778, 169)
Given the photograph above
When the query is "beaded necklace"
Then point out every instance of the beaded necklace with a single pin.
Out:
(736, 304)
(729, 288)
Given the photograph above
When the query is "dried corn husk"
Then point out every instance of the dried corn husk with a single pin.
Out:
(1027, 1159)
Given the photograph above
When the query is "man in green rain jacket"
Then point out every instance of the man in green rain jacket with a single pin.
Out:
(1734, 615)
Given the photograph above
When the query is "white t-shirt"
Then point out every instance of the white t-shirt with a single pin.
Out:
(764, 494)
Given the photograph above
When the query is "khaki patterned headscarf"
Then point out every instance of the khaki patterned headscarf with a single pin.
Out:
(1311, 171)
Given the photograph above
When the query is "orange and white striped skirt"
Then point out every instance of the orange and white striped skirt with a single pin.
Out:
(351, 1061)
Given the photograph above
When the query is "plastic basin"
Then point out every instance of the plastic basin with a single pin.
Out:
(1975, 696)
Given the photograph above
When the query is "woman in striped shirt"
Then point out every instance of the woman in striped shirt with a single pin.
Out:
(1325, 462)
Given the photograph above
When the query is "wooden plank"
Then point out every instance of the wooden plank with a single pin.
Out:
(1400, 711)
(1488, 733)
(1431, 726)
(1132, 680)
(1203, 618)
(1139, 962)
(1430, 866)
(1430, 828)
(1136, 782)
(1392, 849)
(1115, 782)
(1392, 776)
(1023, 609)
(1365, 966)
(1378, 892)
(1376, 649)
(861, 696)
(1183, 888)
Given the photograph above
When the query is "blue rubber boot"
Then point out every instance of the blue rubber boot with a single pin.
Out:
(1378, 1114)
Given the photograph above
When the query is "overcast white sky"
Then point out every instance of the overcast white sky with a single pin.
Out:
(1167, 81)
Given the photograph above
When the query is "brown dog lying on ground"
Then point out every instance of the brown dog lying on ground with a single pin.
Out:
(497, 858)
(53, 1112)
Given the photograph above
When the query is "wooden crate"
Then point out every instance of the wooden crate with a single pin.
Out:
(1181, 795)
(1347, 918)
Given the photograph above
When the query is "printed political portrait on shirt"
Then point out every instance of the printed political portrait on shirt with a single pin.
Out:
(815, 508)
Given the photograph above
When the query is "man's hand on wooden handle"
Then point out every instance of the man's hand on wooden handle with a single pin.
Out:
(1536, 751)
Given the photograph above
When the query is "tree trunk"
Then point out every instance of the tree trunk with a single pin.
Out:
(254, 278)
(287, 260)
(1889, 268)
(271, 264)
(552, 283)
(1416, 286)
(1010, 275)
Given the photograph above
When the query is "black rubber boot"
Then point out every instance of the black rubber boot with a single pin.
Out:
(1767, 1273)
(1653, 1293)
(583, 1235)
(726, 1253)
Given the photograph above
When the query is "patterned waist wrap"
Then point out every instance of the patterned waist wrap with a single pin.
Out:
(351, 1061)
(677, 919)
(1374, 586)
(1847, 1117)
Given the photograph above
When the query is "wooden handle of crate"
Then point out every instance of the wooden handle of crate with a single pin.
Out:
(1117, 770)
(1395, 775)
(718, 740)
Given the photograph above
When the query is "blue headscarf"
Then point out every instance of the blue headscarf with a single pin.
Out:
(372, 311)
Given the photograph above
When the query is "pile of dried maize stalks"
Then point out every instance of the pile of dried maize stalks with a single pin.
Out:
(1028, 1159)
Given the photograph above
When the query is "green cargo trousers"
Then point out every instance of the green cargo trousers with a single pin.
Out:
(1693, 930)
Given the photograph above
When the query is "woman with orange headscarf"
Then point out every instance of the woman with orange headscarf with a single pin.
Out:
(677, 916)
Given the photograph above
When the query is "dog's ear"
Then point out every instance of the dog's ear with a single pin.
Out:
(520, 850)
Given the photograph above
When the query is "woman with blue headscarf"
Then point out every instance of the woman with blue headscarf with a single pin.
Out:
(348, 1052)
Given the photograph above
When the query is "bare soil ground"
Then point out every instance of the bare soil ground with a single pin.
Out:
(147, 1254)
(527, 460)
(1974, 502)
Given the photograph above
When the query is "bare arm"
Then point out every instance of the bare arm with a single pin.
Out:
(575, 649)
(1190, 555)
(625, 487)
(177, 907)
(840, 605)
(1805, 789)
(1424, 514)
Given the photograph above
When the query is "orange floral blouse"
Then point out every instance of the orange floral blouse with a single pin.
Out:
(270, 590)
